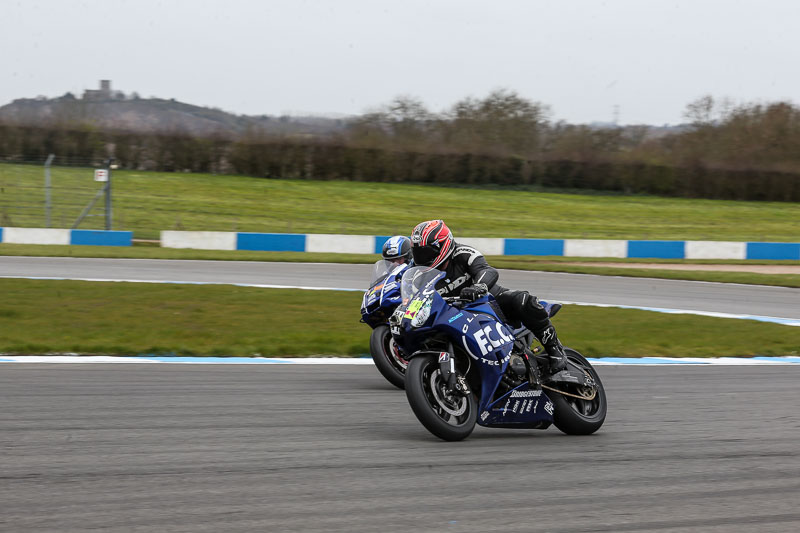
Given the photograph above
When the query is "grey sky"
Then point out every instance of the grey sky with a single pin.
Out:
(345, 56)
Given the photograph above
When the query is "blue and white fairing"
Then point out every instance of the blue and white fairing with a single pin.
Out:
(383, 294)
(477, 330)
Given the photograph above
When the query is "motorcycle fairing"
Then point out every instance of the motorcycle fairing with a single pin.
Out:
(382, 297)
(521, 407)
(476, 329)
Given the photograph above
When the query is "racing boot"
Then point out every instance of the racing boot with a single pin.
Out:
(555, 352)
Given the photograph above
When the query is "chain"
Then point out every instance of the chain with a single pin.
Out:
(592, 397)
(580, 397)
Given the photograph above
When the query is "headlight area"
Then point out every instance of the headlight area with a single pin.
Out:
(422, 315)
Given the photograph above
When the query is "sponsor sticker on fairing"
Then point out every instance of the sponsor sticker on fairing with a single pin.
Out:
(453, 319)
(526, 393)
(412, 309)
(489, 339)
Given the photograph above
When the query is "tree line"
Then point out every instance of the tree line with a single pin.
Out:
(746, 151)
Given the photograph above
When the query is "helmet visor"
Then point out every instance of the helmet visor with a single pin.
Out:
(425, 255)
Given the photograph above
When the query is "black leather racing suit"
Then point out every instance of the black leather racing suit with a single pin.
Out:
(467, 267)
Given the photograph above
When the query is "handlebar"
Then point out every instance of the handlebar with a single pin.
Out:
(456, 301)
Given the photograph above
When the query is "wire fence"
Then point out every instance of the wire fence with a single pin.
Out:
(144, 205)
(36, 194)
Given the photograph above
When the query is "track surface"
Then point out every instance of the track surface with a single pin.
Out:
(156, 448)
(700, 296)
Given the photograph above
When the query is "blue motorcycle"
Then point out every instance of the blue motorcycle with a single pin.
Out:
(379, 302)
(467, 366)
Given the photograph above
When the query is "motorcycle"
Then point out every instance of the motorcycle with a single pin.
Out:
(379, 302)
(467, 366)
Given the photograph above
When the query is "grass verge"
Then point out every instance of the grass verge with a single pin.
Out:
(148, 202)
(129, 318)
(546, 264)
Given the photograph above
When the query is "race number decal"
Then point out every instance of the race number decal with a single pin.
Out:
(413, 307)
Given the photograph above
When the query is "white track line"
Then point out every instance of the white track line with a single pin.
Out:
(760, 318)
(144, 359)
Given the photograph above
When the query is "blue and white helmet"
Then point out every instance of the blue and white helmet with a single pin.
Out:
(397, 247)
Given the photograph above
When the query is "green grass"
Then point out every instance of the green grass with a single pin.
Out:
(132, 318)
(546, 264)
(147, 202)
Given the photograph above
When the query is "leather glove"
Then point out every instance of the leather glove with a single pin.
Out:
(474, 292)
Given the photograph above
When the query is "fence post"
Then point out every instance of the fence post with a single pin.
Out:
(108, 194)
(47, 201)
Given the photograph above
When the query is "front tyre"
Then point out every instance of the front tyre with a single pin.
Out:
(448, 415)
(573, 414)
(387, 356)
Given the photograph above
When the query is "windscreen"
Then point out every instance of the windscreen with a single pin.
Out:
(415, 279)
(382, 269)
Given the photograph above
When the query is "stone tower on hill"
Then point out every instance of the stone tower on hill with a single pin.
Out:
(104, 93)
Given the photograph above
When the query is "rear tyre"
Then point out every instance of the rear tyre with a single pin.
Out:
(576, 416)
(387, 356)
(448, 415)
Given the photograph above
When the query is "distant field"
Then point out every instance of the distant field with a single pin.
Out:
(134, 318)
(147, 202)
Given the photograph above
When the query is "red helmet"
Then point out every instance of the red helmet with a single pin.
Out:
(431, 243)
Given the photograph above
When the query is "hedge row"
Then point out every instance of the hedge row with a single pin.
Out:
(309, 159)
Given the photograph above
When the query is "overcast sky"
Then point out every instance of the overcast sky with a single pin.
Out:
(580, 57)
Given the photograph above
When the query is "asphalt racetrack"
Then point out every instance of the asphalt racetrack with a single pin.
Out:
(158, 448)
(644, 292)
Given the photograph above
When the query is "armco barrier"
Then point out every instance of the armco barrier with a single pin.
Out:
(773, 250)
(272, 242)
(595, 248)
(199, 240)
(101, 238)
(65, 236)
(657, 249)
(36, 236)
(716, 250)
(367, 244)
(343, 244)
(534, 247)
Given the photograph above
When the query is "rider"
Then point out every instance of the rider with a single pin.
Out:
(469, 276)
(397, 249)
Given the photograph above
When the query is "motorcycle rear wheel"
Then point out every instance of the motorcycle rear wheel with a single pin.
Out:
(386, 357)
(575, 416)
(448, 415)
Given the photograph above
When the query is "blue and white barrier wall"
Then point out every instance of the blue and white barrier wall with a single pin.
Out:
(65, 236)
(371, 244)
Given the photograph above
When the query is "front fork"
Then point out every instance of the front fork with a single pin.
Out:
(447, 368)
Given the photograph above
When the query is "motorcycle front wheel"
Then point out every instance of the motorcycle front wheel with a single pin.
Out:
(387, 356)
(580, 411)
(448, 415)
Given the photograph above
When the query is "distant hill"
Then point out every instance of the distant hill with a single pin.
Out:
(146, 115)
